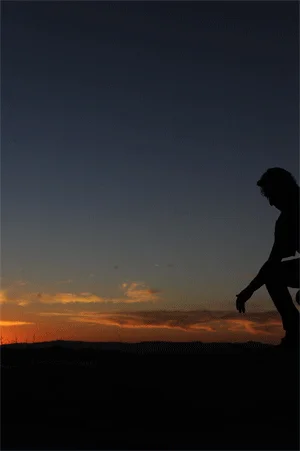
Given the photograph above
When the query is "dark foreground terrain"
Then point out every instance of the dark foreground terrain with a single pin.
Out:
(149, 396)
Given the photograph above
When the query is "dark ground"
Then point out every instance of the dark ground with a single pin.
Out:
(175, 397)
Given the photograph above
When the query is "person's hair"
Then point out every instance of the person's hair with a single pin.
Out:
(279, 180)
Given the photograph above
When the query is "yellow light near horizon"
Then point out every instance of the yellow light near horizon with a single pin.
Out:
(13, 323)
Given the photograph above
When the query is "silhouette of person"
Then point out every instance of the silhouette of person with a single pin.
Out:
(282, 192)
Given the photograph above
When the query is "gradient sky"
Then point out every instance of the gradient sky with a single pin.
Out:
(133, 135)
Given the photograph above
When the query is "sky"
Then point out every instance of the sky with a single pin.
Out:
(132, 138)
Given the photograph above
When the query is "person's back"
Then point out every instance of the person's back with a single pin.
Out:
(287, 229)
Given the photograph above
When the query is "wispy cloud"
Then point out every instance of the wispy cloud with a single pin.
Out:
(188, 321)
(134, 292)
(10, 296)
(23, 303)
(22, 283)
(2, 297)
(68, 298)
(67, 281)
(14, 323)
(254, 327)
(55, 314)
(139, 292)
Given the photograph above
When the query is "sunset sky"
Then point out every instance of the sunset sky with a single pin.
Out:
(133, 135)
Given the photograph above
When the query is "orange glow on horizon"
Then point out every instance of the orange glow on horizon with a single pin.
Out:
(228, 331)
(29, 316)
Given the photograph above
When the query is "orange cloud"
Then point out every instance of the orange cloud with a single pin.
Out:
(188, 321)
(139, 292)
(135, 292)
(54, 314)
(14, 323)
(237, 325)
(68, 298)
(2, 297)
(23, 303)
(21, 283)
(152, 320)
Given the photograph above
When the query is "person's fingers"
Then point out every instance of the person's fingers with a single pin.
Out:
(240, 306)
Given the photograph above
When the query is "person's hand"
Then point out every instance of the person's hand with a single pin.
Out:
(242, 298)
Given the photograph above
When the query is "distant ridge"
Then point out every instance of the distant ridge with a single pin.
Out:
(156, 347)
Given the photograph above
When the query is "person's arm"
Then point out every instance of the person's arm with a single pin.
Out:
(274, 258)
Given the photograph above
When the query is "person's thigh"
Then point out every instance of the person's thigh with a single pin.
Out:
(290, 272)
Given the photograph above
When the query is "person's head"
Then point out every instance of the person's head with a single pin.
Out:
(279, 187)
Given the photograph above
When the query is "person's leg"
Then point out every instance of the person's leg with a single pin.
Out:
(285, 275)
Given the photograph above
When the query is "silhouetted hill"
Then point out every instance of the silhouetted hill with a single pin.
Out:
(75, 395)
(144, 347)
(80, 353)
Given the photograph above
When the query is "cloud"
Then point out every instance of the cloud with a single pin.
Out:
(21, 283)
(253, 327)
(152, 319)
(67, 281)
(9, 293)
(55, 314)
(14, 323)
(2, 297)
(188, 321)
(140, 320)
(134, 292)
(68, 298)
(139, 292)
(9, 296)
